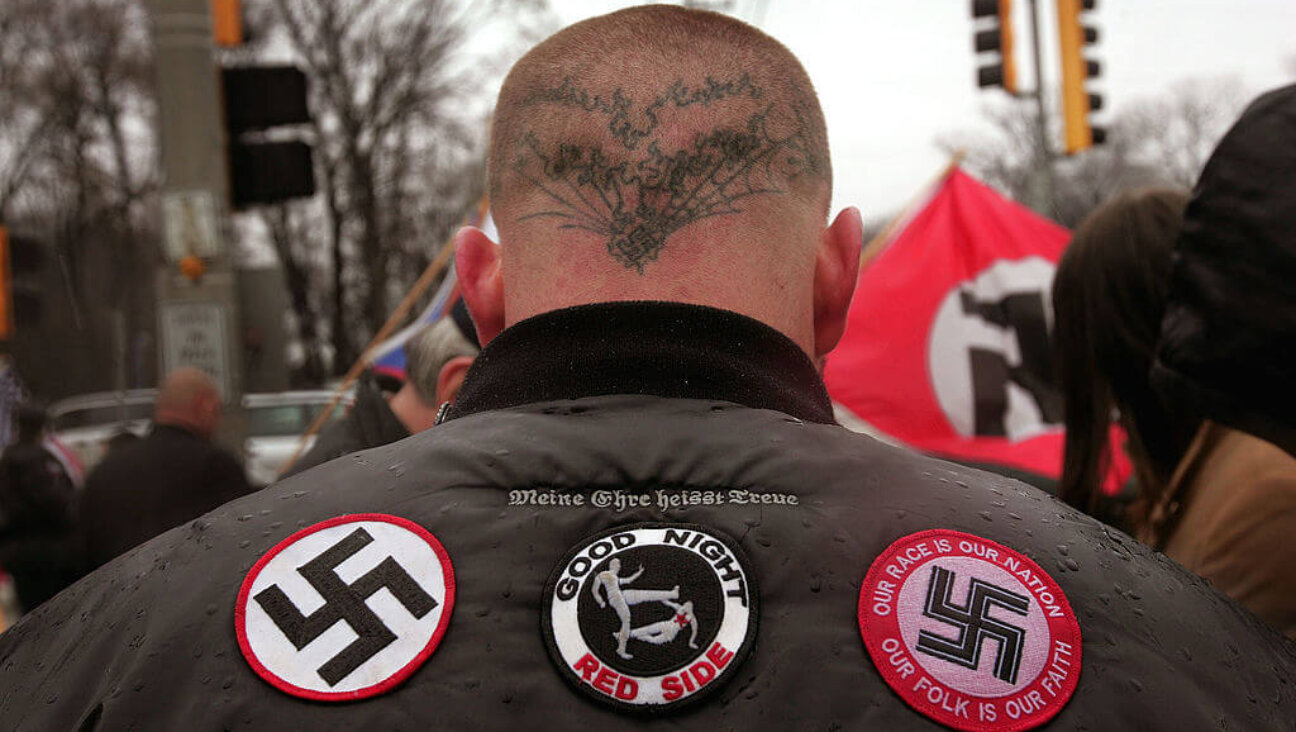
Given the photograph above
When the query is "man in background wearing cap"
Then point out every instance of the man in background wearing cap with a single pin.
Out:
(436, 360)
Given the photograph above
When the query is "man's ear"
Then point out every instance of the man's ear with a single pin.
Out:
(836, 272)
(477, 262)
(452, 377)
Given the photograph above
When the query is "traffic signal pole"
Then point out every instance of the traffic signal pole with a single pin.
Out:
(1042, 183)
(994, 44)
(199, 324)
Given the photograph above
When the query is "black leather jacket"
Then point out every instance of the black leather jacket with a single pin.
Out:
(525, 479)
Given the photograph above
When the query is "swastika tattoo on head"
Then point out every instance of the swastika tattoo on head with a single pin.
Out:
(641, 187)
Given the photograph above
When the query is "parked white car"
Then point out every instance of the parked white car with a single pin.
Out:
(85, 423)
(275, 422)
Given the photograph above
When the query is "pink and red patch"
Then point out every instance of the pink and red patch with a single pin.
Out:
(969, 632)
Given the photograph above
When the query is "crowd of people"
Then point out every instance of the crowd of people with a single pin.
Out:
(54, 531)
(644, 442)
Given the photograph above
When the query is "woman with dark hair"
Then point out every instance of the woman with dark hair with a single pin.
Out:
(1109, 295)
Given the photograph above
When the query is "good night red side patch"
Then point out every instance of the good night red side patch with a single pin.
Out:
(969, 632)
(651, 618)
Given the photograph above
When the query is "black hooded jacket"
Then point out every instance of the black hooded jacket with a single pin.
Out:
(1228, 339)
(578, 434)
(37, 544)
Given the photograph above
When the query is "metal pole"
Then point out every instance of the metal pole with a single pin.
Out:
(199, 322)
(1042, 183)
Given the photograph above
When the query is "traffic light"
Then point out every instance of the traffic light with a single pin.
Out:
(1077, 102)
(21, 261)
(227, 23)
(265, 171)
(997, 38)
(268, 172)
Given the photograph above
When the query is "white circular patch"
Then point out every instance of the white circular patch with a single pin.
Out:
(347, 608)
(989, 352)
(651, 617)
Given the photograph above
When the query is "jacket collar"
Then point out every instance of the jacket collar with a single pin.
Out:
(169, 428)
(665, 349)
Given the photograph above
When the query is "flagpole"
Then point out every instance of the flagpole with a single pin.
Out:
(879, 241)
(425, 280)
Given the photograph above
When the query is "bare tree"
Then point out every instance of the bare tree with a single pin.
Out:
(1158, 140)
(397, 113)
(1176, 132)
(77, 162)
(1005, 156)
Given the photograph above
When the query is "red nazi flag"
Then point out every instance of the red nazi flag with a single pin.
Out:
(947, 341)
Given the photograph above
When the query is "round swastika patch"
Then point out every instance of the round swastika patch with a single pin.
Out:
(346, 609)
(650, 618)
(969, 632)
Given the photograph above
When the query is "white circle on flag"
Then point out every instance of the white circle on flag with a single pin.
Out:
(965, 324)
(347, 608)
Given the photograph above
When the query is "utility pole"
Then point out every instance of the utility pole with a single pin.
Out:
(199, 324)
(1042, 177)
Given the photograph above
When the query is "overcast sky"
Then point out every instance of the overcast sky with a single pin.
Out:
(894, 75)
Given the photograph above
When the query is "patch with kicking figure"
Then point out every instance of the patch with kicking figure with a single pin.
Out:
(651, 618)
(346, 609)
(969, 632)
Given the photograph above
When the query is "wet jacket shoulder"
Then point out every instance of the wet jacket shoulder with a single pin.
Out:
(368, 423)
(511, 490)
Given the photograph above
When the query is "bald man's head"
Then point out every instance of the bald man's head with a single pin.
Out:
(637, 125)
(189, 398)
(658, 153)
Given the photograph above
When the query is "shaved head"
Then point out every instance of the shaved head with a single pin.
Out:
(189, 398)
(638, 124)
(658, 153)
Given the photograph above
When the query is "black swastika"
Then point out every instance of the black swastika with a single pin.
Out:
(1022, 313)
(345, 602)
(974, 624)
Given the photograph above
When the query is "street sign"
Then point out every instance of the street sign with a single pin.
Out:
(190, 220)
(194, 335)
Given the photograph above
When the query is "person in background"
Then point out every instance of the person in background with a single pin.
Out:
(436, 361)
(122, 439)
(1109, 296)
(173, 475)
(36, 504)
(1228, 352)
